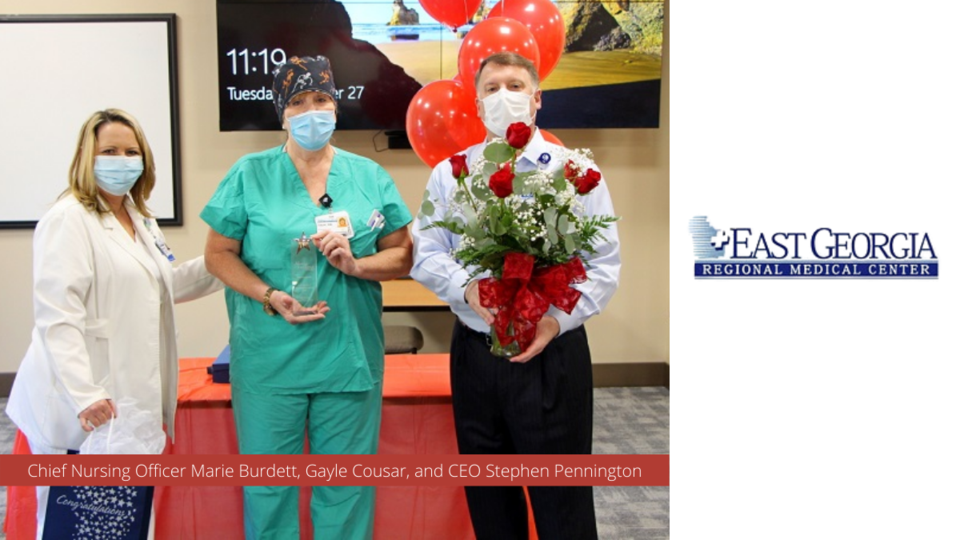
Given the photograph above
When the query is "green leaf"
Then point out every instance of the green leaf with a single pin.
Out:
(427, 208)
(519, 186)
(493, 212)
(484, 243)
(498, 152)
(451, 226)
(552, 235)
(506, 220)
(481, 191)
(493, 220)
(560, 184)
(521, 183)
(569, 245)
(550, 215)
(469, 214)
(492, 260)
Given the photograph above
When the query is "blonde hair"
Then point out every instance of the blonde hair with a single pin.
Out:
(83, 183)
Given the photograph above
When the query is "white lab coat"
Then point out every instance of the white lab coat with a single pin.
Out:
(102, 328)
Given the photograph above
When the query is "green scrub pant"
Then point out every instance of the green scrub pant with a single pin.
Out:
(337, 423)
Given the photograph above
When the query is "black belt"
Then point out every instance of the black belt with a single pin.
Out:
(486, 336)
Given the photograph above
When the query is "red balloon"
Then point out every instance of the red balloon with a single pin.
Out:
(543, 19)
(550, 137)
(453, 13)
(495, 35)
(467, 85)
(442, 120)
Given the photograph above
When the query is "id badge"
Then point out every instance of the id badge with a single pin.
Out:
(338, 222)
(165, 250)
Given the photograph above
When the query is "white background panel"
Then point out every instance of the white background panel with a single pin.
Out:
(814, 408)
(50, 89)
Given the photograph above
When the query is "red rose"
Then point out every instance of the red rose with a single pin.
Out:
(501, 182)
(587, 182)
(518, 134)
(459, 165)
(570, 170)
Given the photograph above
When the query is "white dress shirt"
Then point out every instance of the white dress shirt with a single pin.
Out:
(436, 268)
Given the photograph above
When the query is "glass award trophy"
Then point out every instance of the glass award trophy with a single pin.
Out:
(303, 273)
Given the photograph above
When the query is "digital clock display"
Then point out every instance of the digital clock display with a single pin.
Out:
(254, 37)
(271, 59)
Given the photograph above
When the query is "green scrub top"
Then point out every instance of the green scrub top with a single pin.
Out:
(263, 203)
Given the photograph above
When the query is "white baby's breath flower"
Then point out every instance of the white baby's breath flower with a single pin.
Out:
(519, 219)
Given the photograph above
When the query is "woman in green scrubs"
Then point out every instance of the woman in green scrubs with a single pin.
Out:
(313, 361)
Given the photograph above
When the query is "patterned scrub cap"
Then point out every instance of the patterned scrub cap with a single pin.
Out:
(301, 74)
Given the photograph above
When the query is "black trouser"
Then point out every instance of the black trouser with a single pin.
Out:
(544, 406)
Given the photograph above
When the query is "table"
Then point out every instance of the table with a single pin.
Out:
(406, 294)
(417, 419)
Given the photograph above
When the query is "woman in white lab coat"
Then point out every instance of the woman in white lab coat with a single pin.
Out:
(103, 295)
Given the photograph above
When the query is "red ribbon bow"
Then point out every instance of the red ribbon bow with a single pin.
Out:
(524, 294)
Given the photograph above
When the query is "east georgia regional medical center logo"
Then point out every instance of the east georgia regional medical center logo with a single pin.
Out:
(742, 252)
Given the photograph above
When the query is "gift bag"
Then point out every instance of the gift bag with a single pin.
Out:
(114, 513)
(133, 431)
(108, 512)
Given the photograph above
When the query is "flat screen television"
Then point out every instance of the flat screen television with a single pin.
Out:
(608, 75)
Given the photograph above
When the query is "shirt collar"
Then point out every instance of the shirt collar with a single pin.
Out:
(534, 148)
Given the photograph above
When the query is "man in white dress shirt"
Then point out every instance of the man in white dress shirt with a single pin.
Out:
(540, 401)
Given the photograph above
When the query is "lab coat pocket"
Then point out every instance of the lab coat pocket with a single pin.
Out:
(96, 337)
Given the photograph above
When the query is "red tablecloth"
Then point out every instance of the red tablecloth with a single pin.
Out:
(417, 419)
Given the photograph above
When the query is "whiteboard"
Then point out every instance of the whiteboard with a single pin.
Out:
(56, 71)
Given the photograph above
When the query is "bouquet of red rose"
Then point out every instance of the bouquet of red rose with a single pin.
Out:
(527, 229)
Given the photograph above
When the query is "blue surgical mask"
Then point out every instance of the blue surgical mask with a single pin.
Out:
(312, 129)
(117, 174)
